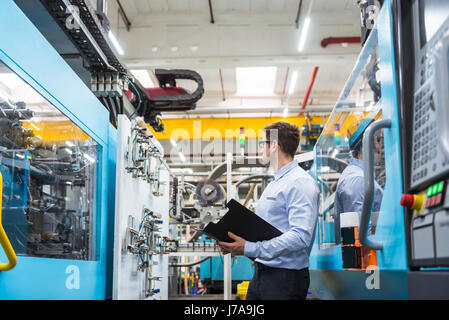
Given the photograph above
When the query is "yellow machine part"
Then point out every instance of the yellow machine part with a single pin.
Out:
(242, 289)
(226, 128)
(4, 241)
(56, 131)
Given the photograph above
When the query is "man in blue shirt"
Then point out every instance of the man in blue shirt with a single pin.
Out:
(290, 203)
(350, 191)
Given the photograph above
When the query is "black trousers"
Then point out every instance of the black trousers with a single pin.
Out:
(278, 284)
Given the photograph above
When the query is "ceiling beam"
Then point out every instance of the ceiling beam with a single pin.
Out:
(124, 16)
(239, 61)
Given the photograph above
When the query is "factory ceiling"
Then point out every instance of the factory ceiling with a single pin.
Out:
(217, 40)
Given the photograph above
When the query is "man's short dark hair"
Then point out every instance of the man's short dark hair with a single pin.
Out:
(356, 149)
(286, 134)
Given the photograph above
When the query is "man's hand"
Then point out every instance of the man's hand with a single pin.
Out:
(237, 248)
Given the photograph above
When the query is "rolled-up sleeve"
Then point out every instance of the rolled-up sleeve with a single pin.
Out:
(301, 202)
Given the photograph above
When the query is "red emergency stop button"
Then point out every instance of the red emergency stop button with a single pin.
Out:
(407, 200)
(414, 202)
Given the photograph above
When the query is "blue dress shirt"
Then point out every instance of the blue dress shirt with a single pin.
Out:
(351, 192)
(290, 203)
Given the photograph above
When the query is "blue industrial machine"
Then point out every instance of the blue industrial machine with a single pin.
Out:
(58, 68)
(54, 163)
(400, 83)
(213, 269)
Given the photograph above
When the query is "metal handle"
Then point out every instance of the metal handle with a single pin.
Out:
(368, 171)
(4, 241)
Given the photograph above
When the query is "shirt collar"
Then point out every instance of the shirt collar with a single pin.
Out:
(356, 162)
(292, 164)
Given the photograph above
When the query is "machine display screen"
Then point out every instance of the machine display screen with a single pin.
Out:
(432, 15)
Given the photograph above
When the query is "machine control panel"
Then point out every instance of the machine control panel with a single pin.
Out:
(430, 225)
(429, 150)
(428, 159)
(435, 195)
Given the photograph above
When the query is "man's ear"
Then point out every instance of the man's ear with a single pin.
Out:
(274, 146)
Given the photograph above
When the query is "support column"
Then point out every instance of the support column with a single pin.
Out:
(227, 277)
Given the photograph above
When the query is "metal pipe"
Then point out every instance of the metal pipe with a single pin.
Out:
(252, 109)
(256, 176)
(227, 271)
(211, 11)
(199, 174)
(250, 193)
(124, 16)
(285, 86)
(221, 82)
(193, 164)
(309, 89)
(336, 40)
(298, 14)
(368, 171)
(189, 264)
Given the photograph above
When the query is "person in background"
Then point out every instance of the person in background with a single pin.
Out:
(290, 203)
(350, 191)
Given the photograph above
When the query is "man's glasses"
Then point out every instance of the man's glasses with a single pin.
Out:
(263, 142)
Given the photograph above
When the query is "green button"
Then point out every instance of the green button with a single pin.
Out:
(440, 187)
(429, 192)
(435, 188)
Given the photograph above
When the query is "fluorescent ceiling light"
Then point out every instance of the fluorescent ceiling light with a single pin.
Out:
(144, 77)
(181, 155)
(293, 82)
(70, 143)
(285, 112)
(68, 150)
(304, 33)
(256, 81)
(10, 80)
(115, 43)
(173, 142)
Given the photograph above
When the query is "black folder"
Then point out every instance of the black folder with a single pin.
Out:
(242, 222)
